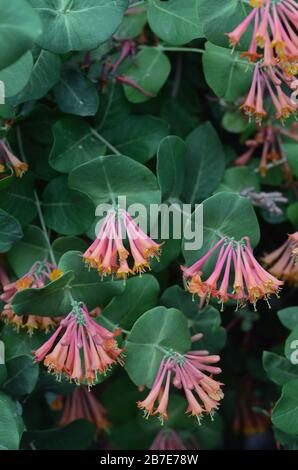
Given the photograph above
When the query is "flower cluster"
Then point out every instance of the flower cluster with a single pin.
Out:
(37, 277)
(269, 140)
(8, 161)
(274, 49)
(251, 282)
(84, 349)
(282, 262)
(107, 253)
(82, 404)
(186, 372)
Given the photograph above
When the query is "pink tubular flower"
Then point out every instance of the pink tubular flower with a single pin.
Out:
(37, 277)
(282, 262)
(268, 144)
(187, 372)
(82, 404)
(274, 44)
(251, 281)
(108, 254)
(84, 350)
(8, 159)
(294, 245)
(236, 35)
(269, 81)
(167, 439)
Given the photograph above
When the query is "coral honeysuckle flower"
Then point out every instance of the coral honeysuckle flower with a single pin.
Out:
(251, 282)
(274, 48)
(37, 277)
(107, 253)
(186, 372)
(167, 439)
(270, 81)
(268, 142)
(282, 262)
(275, 26)
(7, 158)
(80, 348)
(82, 404)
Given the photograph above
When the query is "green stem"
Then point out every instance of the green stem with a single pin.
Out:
(44, 228)
(113, 325)
(37, 201)
(104, 141)
(137, 4)
(178, 49)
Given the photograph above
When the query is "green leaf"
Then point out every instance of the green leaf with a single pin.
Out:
(140, 295)
(235, 121)
(11, 426)
(137, 137)
(175, 22)
(63, 244)
(113, 109)
(236, 179)
(293, 213)
(133, 24)
(291, 153)
(74, 144)
(22, 376)
(19, 28)
(278, 368)
(210, 433)
(66, 211)
(45, 74)
(18, 200)
(170, 166)
(228, 75)
(150, 71)
(75, 94)
(33, 247)
(289, 317)
(3, 374)
(105, 178)
(86, 285)
(176, 297)
(156, 330)
(19, 343)
(204, 163)
(207, 321)
(10, 231)
(291, 347)
(77, 25)
(16, 76)
(219, 21)
(51, 300)
(77, 435)
(225, 214)
(285, 412)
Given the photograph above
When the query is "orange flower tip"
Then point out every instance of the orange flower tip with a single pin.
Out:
(56, 274)
(117, 332)
(141, 268)
(251, 56)
(256, 3)
(260, 40)
(2, 169)
(24, 283)
(21, 169)
(263, 170)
